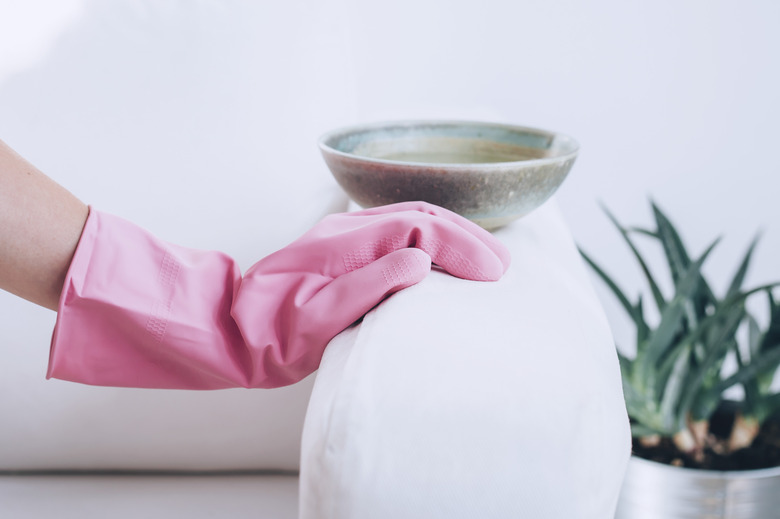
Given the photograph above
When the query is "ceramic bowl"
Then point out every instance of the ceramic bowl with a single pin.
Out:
(489, 173)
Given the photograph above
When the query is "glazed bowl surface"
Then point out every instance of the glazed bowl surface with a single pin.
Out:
(490, 173)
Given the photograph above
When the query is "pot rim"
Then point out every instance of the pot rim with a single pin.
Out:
(712, 474)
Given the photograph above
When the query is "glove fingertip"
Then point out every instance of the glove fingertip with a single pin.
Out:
(504, 256)
(491, 268)
(405, 267)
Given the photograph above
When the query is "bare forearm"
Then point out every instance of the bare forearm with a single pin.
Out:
(40, 225)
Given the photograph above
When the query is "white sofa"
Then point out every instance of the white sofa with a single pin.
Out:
(199, 120)
(451, 399)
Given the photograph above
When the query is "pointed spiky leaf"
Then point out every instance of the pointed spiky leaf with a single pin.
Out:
(739, 276)
(671, 318)
(610, 283)
(679, 259)
(636, 403)
(769, 341)
(672, 392)
(657, 295)
(765, 361)
(642, 328)
(643, 231)
(754, 336)
(771, 337)
(718, 349)
(751, 387)
(676, 255)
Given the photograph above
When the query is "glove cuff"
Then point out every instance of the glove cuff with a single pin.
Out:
(136, 311)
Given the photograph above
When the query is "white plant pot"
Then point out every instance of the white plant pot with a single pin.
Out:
(654, 490)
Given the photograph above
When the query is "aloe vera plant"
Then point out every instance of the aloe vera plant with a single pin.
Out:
(675, 382)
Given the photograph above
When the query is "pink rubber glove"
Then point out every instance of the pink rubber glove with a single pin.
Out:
(139, 312)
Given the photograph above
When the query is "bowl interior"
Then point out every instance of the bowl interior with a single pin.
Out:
(451, 143)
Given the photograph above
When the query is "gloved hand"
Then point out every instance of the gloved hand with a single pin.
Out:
(139, 312)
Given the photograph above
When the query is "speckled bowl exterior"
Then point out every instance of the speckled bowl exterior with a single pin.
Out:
(514, 169)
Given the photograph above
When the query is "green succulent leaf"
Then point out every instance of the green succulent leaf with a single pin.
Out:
(739, 277)
(640, 430)
(756, 386)
(771, 337)
(706, 404)
(676, 373)
(767, 408)
(643, 231)
(657, 295)
(679, 260)
(754, 336)
(636, 403)
(610, 283)
(769, 340)
(634, 311)
(676, 255)
(672, 316)
(721, 328)
(766, 361)
(717, 350)
(639, 405)
(673, 390)
(752, 399)
(625, 364)
(642, 329)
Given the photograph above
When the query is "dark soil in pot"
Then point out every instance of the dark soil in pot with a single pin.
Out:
(763, 453)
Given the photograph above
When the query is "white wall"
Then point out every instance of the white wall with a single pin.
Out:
(672, 100)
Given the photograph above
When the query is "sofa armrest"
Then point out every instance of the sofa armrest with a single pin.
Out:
(458, 399)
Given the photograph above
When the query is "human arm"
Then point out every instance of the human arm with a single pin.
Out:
(136, 311)
(40, 225)
(140, 312)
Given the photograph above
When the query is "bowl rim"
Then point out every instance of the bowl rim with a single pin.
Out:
(360, 128)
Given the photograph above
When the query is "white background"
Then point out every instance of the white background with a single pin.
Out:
(677, 101)
(672, 100)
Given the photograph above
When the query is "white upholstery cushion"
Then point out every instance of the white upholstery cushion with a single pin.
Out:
(457, 399)
(149, 496)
